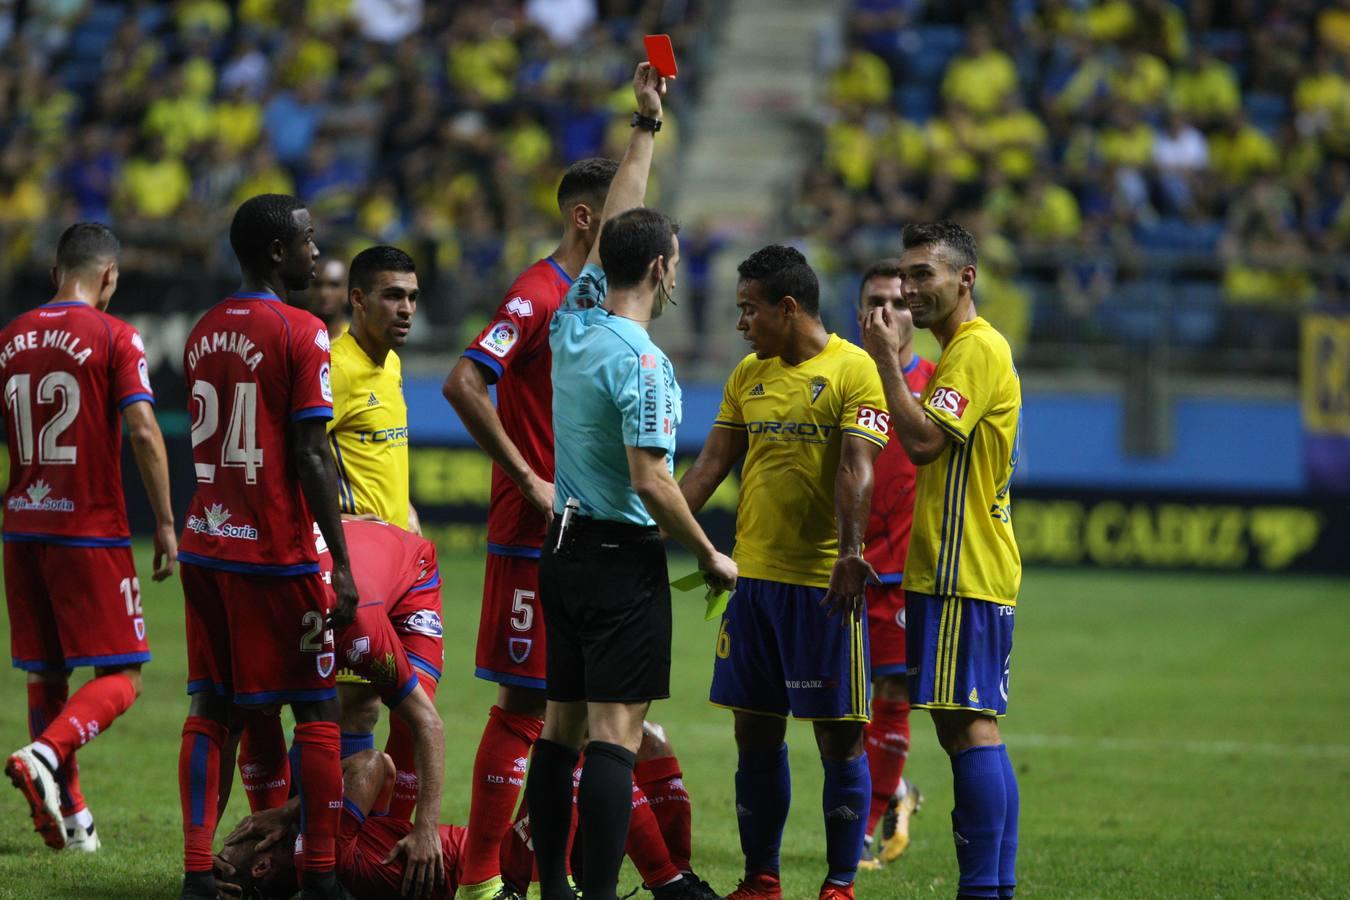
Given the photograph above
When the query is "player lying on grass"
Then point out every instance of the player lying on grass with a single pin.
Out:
(395, 646)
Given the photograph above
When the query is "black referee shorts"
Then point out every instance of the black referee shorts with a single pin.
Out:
(606, 602)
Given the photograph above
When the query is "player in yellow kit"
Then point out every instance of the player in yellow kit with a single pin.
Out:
(963, 571)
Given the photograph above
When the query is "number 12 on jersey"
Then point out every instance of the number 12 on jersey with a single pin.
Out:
(240, 448)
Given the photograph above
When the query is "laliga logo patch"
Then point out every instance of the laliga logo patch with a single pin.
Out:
(500, 338)
(948, 400)
(325, 383)
(324, 664)
(144, 371)
(519, 648)
(425, 621)
(900, 618)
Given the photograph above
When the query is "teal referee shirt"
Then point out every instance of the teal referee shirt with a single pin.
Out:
(613, 388)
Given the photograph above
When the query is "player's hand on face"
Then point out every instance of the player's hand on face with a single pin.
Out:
(344, 587)
(423, 867)
(882, 333)
(719, 571)
(848, 587)
(266, 826)
(540, 494)
(648, 87)
(166, 551)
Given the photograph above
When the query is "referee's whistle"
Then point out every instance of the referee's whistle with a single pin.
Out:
(570, 509)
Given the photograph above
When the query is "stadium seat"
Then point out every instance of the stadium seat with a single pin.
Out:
(916, 102)
(1178, 236)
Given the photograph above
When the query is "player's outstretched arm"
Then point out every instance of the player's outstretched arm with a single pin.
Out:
(147, 444)
(424, 868)
(466, 388)
(720, 452)
(661, 495)
(852, 501)
(629, 187)
(922, 439)
(318, 479)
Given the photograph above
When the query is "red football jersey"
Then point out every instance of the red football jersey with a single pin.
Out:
(887, 540)
(68, 371)
(253, 365)
(515, 347)
(387, 562)
(363, 843)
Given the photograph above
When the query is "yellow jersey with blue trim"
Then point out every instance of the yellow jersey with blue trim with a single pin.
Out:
(796, 419)
(962, 543)
(369, 433)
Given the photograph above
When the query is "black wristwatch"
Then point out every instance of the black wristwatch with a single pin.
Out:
(646, 123)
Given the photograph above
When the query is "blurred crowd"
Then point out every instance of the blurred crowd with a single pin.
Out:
(441, 126)
(1106, 151)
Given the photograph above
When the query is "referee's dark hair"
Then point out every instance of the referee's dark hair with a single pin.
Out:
(888, 267)
(783, 272)
(586, 181)
(958, 245)
(374, 260)
(258, 222)
(630, 241)
(85, 245)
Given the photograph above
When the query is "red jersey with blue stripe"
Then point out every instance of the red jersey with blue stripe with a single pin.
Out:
(253, 366)
(515, 348)
(886, 543)
(68, 371)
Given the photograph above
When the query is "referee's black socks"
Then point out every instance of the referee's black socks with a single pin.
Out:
(548, 792)
(605, 803)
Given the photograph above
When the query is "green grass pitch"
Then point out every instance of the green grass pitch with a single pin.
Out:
(1175, 736)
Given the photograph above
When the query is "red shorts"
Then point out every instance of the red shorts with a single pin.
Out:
(886, 628)
(73, 606)
(258, 638)
(370, 649)
(511, 628)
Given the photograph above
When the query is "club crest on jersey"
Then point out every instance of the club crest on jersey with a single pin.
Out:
(425, 621)
(139, 625)
(949, 400)
(37, 498)
(519, 648)
(818, 384)
(499, 340)
(324, 664)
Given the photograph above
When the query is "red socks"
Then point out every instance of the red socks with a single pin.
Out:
(400, 748)
(263, 765)
(887, 740)
(646, 846)
(319, 775)
(661, 780)
(88, 714)
(199, 789)
(45, 702)
(498, 776)
(517, 852)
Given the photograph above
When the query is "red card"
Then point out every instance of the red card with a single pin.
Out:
(661, 54)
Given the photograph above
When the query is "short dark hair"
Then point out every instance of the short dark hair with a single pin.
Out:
(84, 244)
(374, 260)
(958, 243)
(783, 272)
(586, 179)
(630, 241)
(258, 222)
(889, 267)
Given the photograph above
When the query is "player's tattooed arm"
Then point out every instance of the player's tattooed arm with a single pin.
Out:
(147, 444)
(629, 187)
(424, 867)
(852, 502)
(318, 479)
(922, 439)
(466, 389)
(720, 452)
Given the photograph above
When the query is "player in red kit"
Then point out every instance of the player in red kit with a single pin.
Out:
(72, 374)
(258, 625)
(513, 353)
(887, 543)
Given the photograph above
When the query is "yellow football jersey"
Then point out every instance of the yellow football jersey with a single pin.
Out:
(796, 418)
(962, 543)
(369, 433)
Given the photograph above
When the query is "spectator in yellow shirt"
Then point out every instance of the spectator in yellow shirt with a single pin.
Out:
(1242, 151)
(1140, 81)
(1016, 138)
(954, 142)
(1206, 90)
(1048, 213)
(981, 77)
(266, 176)
(1322, 100)
(1127, 142)
(238, 120)
(1333, 27)
(863, 80)
(155, 185)
(850, 151)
